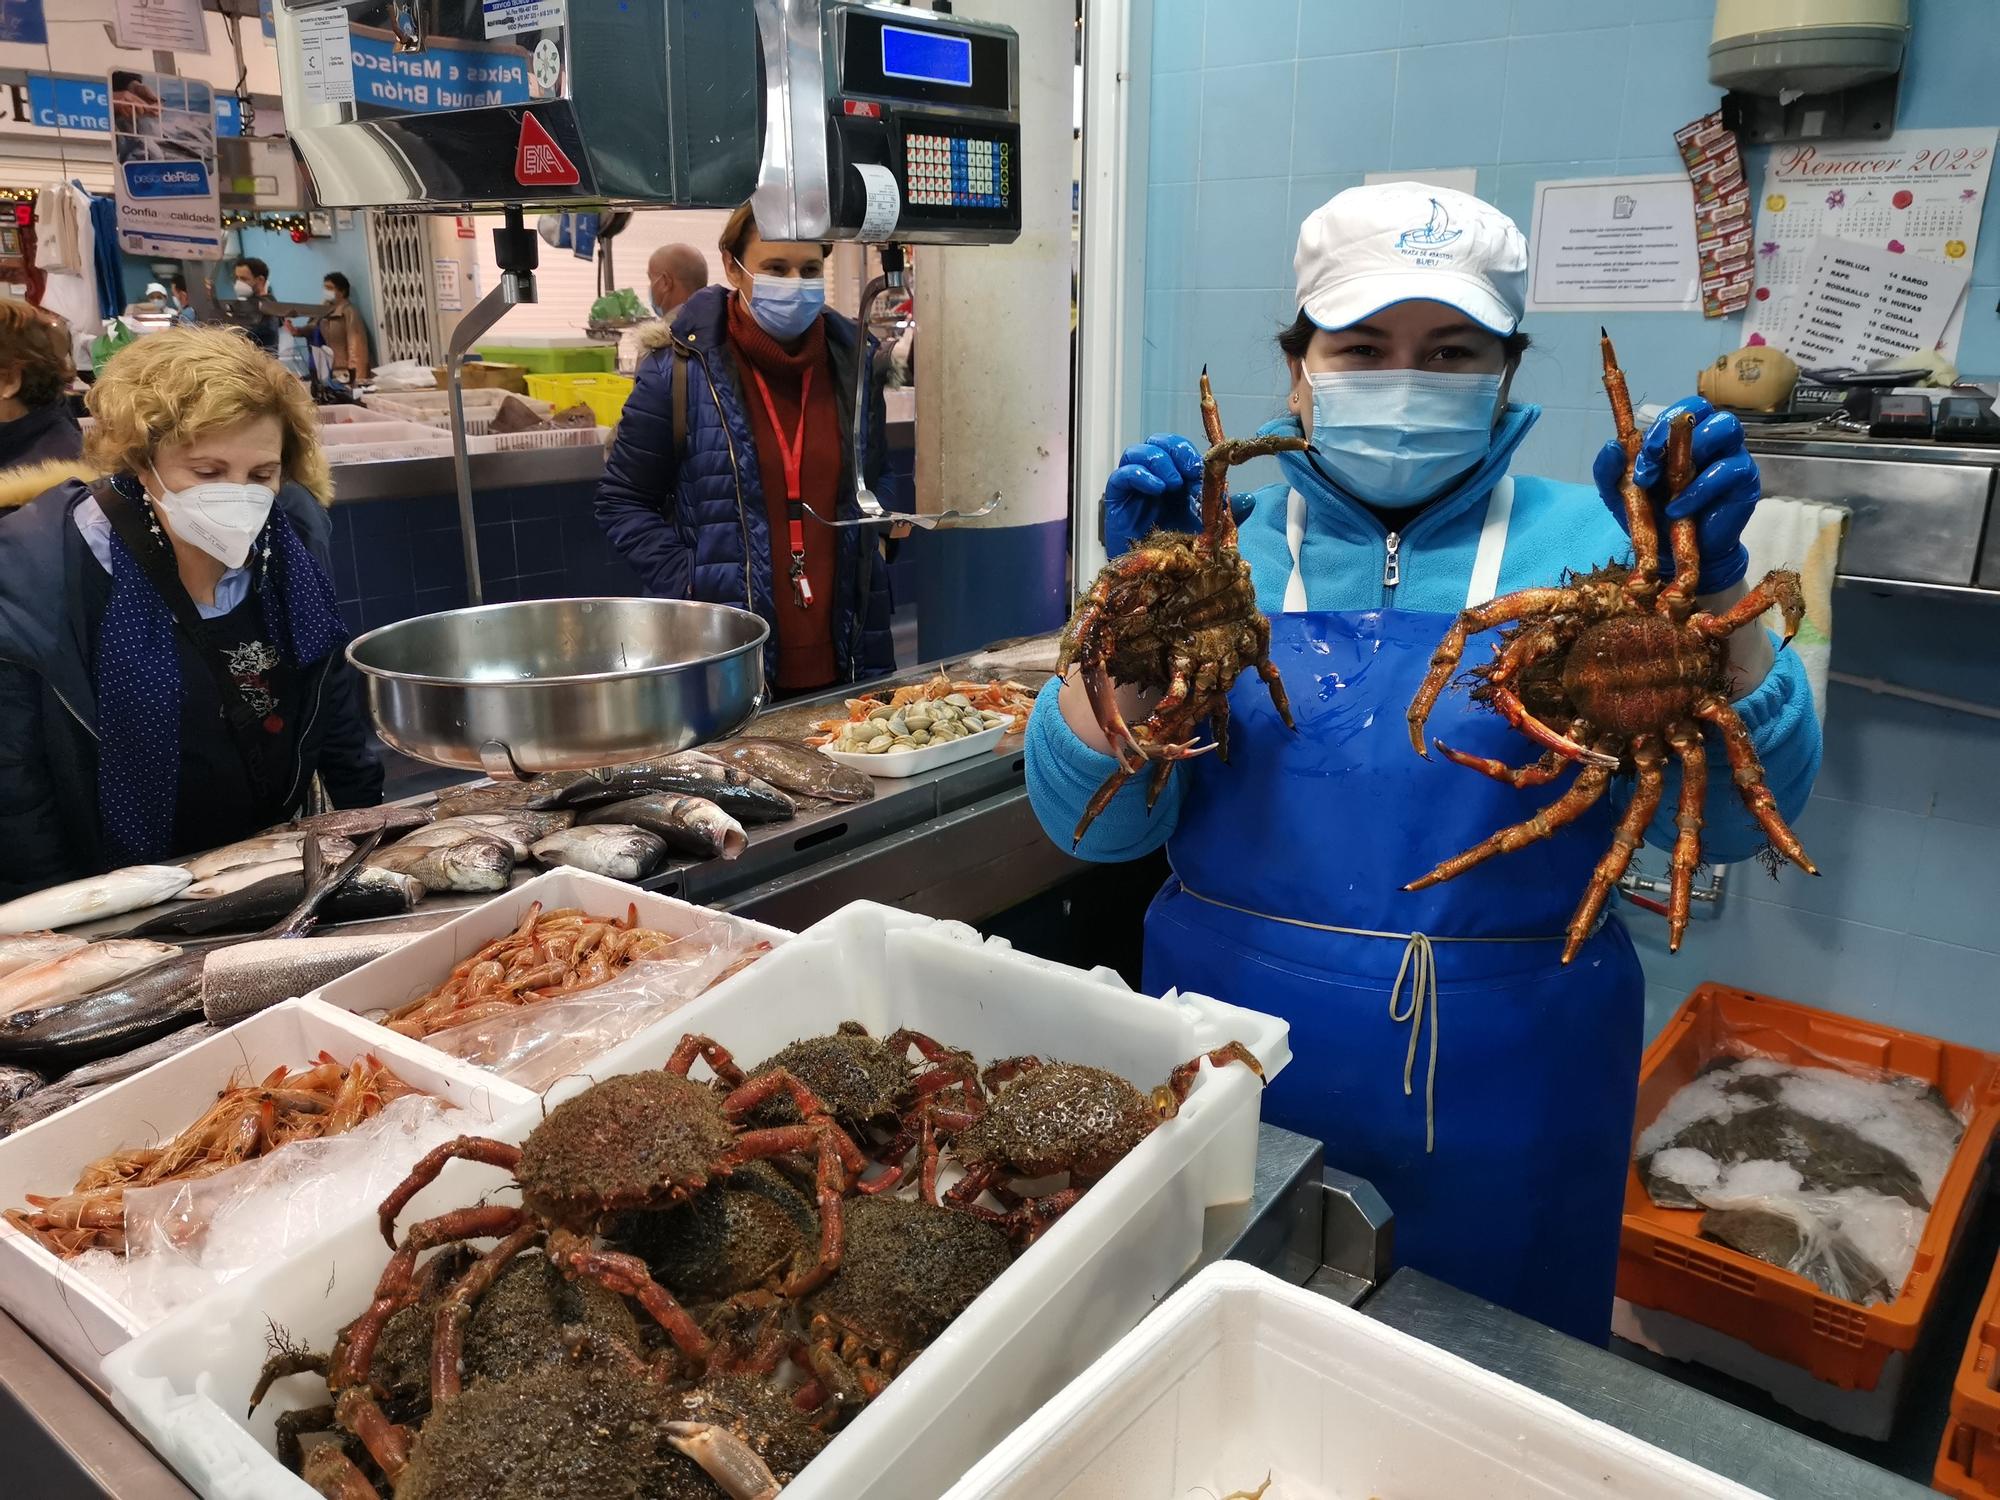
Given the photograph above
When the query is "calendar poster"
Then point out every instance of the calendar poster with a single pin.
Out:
(1916, 192)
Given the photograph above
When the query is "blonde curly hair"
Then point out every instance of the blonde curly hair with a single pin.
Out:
(172, 387)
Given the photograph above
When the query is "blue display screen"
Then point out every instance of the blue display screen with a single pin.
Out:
(926, 57)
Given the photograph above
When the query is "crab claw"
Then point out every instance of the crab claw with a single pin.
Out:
(726, 1458)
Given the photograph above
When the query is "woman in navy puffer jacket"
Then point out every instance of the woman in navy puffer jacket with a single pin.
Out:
(763, 376)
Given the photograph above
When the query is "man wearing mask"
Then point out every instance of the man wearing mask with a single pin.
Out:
(253, 279)
(1438, 1041)
(739, 431)
(674, 273)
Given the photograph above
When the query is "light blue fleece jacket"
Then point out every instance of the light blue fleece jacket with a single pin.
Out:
(1343, 562)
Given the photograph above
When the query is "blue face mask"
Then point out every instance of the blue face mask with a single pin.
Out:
(1398, 437)
(784, 306)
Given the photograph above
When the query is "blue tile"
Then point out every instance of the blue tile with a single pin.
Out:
(1159, 411)
(1534, 16)
(1967, 750)
(1660, 353)
(1777, 950)
(1867, 854)
(1448, 105)
(1170, 220)
(353, 616)
(1176, 36)
(1931, 644)
(1309, 191)
(1174, 132)
(538, 544)
(1428, 22)
(1666, 84)
(346, 583)
(1663, 1003)
(1955, 887)
(1947, 991)
(1241, 234)
(383, 570)
(540, 502)
(1234, 334)
(1250, 31)
(1883, 752)
(1948, 73)
(1345, 109)
(1329, 27)
(1246, 121)
(1510, 186)
(1168, 342)
(1563, 92)
(496, 551)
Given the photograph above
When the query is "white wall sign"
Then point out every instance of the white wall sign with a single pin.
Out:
(160, 25)
(163, 143)
(450, 297)
(326, 57)
(1614, 244)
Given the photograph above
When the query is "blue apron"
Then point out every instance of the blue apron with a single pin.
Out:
(1529, 1110)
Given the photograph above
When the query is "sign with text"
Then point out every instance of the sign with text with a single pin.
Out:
(1609, 244)
(438, 78)
(160, 25)
(23, 21)
(51, 103)
(163, 141)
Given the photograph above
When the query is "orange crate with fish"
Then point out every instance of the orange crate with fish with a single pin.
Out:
(1689, 1296)
(1968, 1461)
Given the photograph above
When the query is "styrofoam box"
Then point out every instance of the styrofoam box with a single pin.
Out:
(1241, 1375)
(1066, 1299)
(70, 1313)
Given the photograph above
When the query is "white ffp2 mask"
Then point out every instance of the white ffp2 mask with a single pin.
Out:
(221, 518)
(1397, 437)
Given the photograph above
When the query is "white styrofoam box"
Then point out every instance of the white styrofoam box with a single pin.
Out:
(548, 437)
(422, 964)
(1240, 1375)
(1064, 1301)
(363, 434)
(70, 1313)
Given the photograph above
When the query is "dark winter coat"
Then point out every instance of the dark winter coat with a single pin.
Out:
(44, 434)
(693, 524)
(49, 827)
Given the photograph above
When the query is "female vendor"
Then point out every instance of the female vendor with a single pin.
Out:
(1441, 1049)
(172, 672)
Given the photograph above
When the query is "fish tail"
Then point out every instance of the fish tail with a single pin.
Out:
(320, 883)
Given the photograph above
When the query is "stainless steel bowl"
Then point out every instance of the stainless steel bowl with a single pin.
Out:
(562, 684)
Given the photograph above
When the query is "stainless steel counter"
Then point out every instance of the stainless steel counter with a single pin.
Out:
(401, 478)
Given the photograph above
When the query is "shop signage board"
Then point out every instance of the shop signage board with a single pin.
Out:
(163, 143)
(341, 63)
(23, 21)
(53, 103)
(1609, 244)
(160, 25)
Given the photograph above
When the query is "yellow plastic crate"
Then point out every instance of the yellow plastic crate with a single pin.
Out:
(605, 395)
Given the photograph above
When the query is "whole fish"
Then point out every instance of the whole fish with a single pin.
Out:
(22, 949)
(125, 1064)
(792, 767)
(17, 1083)
(617, 850)
(691, 774)
(390, 819)
(78, 973)
(485, 796)
(264, 849)
(240, 878)
(40, 1104)
(105, 895)
(516, 829)
(244, 978)
(478, 863)
(154, 1001)
(371, 893)
(690, 825)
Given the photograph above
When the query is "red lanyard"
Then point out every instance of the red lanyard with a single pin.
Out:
(793, 455)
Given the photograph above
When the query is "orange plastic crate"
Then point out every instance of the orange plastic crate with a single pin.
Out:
(1665, 1264)
(1968, 1462)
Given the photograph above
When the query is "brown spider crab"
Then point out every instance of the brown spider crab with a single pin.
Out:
(1176, 615)
(1633, 670)
(1054, 1118)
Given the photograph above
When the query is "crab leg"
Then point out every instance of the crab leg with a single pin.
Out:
(424, 1173)
(840, 1161)
(725, 1458)
(1173, 1094)
(396, 1290)
(1677, 598)
(628, 1277)
(454, 1312)
(1511, 708)
(1644, 578)
(1779, 589)
(712, 1052)
(1527, 604)
(333, 1474)
(1571, 805)
(1541, 773)
(389, 1445)
(1685, 739)
(1748, 773)
(1515, 657)
(1267, 670)
(1650, 759)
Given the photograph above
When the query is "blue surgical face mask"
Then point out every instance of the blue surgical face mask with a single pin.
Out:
(1398, 437)
(784, 306)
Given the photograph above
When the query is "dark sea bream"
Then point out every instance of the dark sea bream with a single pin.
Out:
(690, 774)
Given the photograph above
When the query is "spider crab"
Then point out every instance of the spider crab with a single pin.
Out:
(1632, 669)
(1177, 615)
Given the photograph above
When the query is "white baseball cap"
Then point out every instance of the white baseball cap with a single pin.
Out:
(1390, 242)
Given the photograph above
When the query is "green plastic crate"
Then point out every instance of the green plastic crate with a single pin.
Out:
(598, 359)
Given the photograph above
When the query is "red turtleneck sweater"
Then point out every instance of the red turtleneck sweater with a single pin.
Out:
(805, 636)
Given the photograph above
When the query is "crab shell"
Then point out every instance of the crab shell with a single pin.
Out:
(858, 1077)
(635, 1140)
(1059, 1117)
(910, 1268)
(750, 1229)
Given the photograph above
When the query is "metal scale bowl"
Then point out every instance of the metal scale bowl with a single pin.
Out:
(562, 684)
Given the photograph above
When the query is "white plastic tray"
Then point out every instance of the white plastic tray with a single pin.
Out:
(70, 1313)
(899, 763)
(1069, 1297)
(1240, 1375)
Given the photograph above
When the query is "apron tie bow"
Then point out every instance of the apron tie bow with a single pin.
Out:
(1419, 967)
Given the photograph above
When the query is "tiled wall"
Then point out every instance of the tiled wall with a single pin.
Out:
(1263, 109)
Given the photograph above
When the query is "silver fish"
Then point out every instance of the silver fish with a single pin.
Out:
(40, 1104)
(23, 949)
(478, 862)
(245, 978)
(516, 829)
(240, 878)
(616, 850)
(486, 796)
(104, 895)
(265, 849)
(792, 767)
(78, 973)
(689, 774)
(17, 1083)
(690, 825)
(388, 820)
(125, 1064)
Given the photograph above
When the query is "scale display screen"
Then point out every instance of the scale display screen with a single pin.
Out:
(926, 57)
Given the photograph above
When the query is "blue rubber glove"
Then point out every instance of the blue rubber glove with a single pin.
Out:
(1724, 491)
(1156, 486)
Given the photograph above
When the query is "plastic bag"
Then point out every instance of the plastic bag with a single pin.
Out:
(536, 1044)
(184, 1239)
(1828, 1173)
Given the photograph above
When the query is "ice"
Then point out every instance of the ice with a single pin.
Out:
(185, 1239)
(1753, 1180)
(1702, 1099)
(1899, 1115)
(1690, 1168)
(1886, 1230)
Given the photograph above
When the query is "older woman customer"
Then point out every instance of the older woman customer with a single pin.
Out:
(35, 372)
(171, 665)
